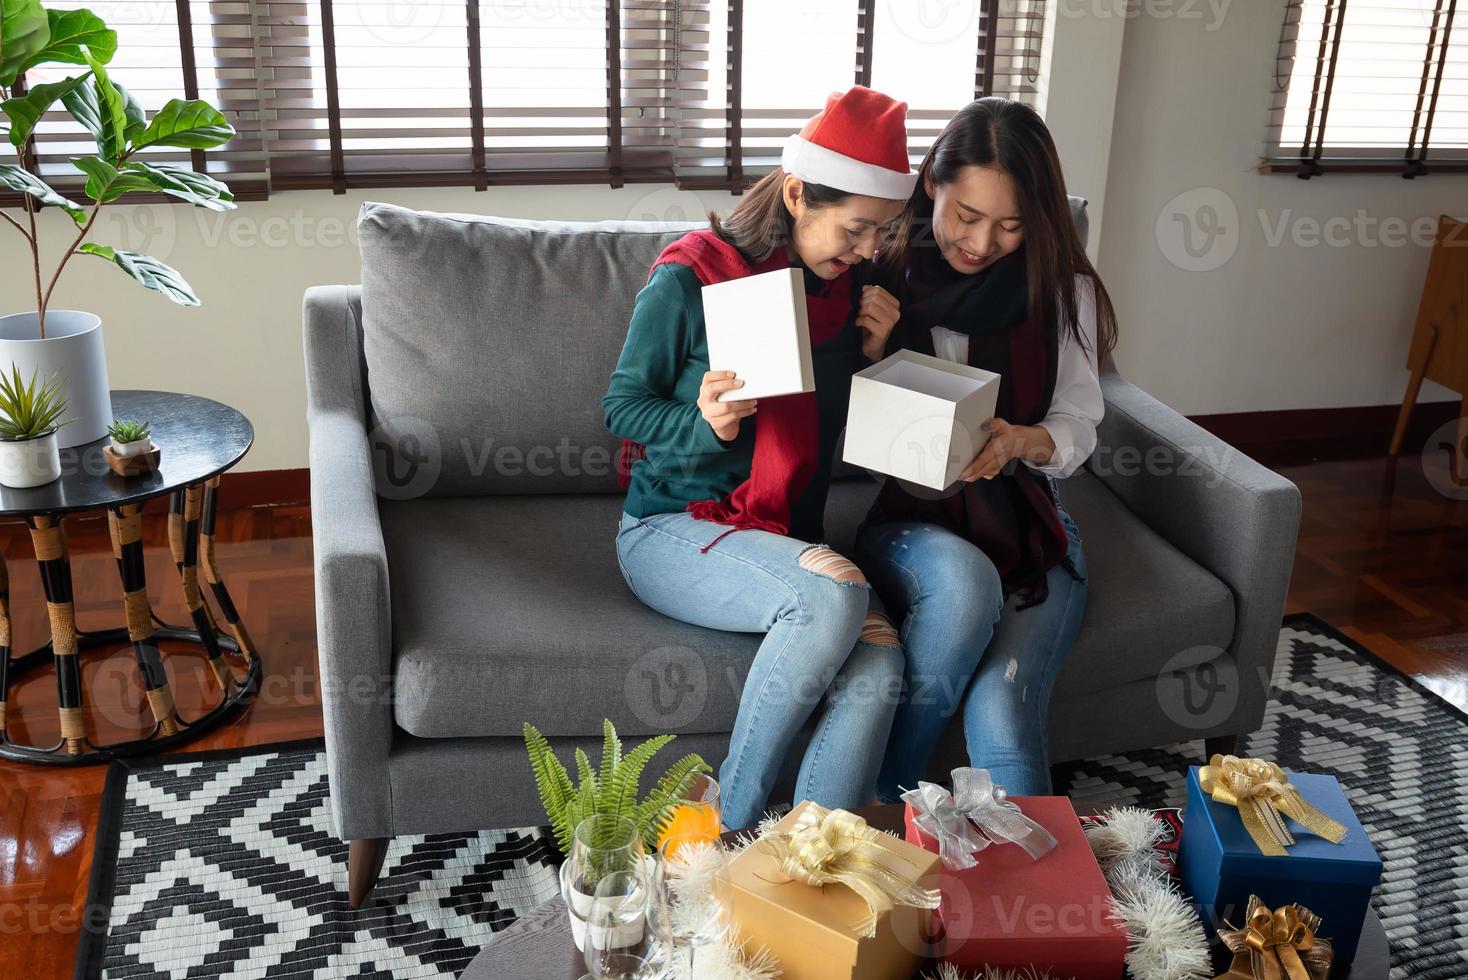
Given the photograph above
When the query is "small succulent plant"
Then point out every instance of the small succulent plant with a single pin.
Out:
(30, 409)
(125, 431)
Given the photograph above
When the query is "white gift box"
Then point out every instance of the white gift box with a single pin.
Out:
(757, 328)
(918, 418)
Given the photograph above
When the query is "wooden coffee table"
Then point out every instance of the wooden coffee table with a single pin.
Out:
(539, 946)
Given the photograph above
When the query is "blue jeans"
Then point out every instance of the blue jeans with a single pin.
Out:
(966, 646)
(811, 662)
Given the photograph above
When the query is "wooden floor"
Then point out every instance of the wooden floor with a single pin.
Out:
(1382, 556)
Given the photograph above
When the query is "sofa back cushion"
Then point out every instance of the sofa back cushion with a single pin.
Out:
(489, 343)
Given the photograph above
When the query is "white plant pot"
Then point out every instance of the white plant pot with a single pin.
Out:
(72, 351)
(127, 450)
(30, 462)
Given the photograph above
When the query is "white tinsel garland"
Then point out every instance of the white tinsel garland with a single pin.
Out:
(1165, 935)
(691, 872)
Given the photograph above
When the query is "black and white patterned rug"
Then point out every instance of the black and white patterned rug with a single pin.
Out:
(224, 864)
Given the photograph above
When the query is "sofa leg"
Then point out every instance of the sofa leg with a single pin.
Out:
(364, 864)
(1220, 745)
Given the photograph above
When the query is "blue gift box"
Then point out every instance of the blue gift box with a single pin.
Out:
(1221, 865)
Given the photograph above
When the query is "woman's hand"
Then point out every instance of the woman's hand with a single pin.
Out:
(722, 416)
(1031, 443)
(876, 317)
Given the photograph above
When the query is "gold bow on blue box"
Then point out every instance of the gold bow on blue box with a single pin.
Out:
(976, 814)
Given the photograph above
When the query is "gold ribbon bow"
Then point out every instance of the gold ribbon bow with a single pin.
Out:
(1264, 796)
(836, 847)
(1275, 945)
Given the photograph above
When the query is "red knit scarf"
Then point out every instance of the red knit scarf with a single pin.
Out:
(787, 437)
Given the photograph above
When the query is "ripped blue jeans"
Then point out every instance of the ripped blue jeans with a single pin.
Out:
(966, 647)
(827, 652)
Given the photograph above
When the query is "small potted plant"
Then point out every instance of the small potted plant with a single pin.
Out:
(611, 790)
(30, 414)
(131, 452)
(129, 438)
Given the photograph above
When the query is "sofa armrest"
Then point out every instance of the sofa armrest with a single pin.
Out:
(353, 625)
(1233, 516)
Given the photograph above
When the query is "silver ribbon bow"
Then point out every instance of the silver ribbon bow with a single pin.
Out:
(976, 814)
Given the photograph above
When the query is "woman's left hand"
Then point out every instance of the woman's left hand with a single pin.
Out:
(876, 318)
(1006, 442)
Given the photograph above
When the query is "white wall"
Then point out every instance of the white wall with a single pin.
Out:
(1318, 317)
(251, 266)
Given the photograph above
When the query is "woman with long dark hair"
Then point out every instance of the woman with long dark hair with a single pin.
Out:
(988, 577)
(724, 504)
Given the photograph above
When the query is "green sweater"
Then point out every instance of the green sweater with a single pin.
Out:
(653, 400)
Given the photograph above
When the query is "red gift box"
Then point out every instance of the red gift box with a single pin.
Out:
(1012, 911)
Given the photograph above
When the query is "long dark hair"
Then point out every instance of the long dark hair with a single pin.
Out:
(761, 223)
(1011, 137)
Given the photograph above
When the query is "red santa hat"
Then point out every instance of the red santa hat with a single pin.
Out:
(857, 144)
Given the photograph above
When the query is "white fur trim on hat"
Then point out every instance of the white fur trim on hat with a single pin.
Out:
(819, 165)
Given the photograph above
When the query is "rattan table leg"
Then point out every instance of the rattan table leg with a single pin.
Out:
(212, 576)
(183, 541)
(126, 525)
(4, 641)
(50, 546)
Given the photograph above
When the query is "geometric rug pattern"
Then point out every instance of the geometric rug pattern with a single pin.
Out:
(224, 864)
(227, 866)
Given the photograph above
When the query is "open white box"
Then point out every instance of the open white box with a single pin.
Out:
(757, 328)
(917, 417)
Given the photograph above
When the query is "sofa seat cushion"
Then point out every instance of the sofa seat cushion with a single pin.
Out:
(1147, 602)
(512, 609)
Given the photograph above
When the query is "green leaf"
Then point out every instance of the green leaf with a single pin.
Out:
(137, 120)
(77, 36)
(106, 183)
(25, 111)
(18, 179)
(24, 30)
(102, 110)
(584, 773)
(620, 795)
(184, 184)
(192, 125)
(553, 783)
(611, 751)
(146, 270)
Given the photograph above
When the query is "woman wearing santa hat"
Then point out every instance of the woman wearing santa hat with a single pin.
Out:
(726, 497)
(988, 578)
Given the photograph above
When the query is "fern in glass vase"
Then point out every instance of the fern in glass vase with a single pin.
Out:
(611, 789)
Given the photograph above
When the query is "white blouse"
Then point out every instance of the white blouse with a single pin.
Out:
(1077, 406)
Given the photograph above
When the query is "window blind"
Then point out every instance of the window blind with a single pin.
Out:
(1370, 86)
(362, 93)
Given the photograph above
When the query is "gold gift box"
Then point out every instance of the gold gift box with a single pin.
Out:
(813, 931)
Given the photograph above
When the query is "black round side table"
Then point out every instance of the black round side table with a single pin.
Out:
(199, 440)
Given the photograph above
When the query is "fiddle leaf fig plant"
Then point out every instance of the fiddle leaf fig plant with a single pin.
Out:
(33, 37)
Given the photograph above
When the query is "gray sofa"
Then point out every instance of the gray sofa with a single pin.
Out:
(464, 504)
